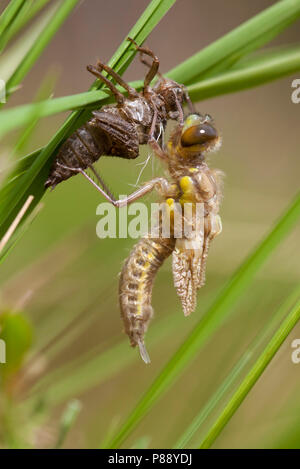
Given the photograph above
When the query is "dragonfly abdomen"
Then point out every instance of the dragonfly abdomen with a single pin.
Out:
(136, 283)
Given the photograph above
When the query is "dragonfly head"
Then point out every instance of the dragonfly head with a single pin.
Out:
(198, 135)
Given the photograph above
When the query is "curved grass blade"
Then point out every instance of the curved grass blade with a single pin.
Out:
(254, 374)
(12, 58)
(249, 36)
(266, 68)
(20, 116)
(41, 97)
(68, 420)
(237, 371)
(7, 19)
(29, 10)
(219, 311)
(256, 71)
(94, 367)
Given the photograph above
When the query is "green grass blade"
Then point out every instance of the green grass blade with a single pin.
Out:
(95, 367)
(19, 116)
(29, 10)
(68, 420)
(13, 197)
(55, 21)
(237, 371)
(214, 317)
(41, 97)
(253, 375)
(12, 58)
(266, 68)
(247, 37)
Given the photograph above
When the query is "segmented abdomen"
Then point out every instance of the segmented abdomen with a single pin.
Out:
(135, 288)
(107, 133)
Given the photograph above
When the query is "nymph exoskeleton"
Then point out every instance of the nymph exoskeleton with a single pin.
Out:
(192, 184)
(119, 129)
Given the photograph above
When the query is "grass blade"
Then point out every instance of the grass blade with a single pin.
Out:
(95, 367)
(214, 317)
(7, 19)
(249, 36)
(68, 420)
(253, 72)
(266, 68)
(253, 375)
(12, 58)
(12, 197)
(55, 21)
(19, 116)
(15, 223)
(29, 10)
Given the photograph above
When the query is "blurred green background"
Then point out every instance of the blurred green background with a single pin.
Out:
(69, 278)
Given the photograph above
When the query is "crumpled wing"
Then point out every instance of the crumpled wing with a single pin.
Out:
(187, 271)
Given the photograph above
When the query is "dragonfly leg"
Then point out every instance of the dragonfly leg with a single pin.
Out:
(131, 91)
(153, 67)
(188, 101)
(117, 94)
(157, 149)
(145, 189)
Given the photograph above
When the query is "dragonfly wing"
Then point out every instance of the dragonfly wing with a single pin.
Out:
(187, 262)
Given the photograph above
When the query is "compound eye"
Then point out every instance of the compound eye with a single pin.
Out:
(198, 134)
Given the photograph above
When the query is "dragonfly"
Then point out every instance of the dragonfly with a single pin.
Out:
(118, 129)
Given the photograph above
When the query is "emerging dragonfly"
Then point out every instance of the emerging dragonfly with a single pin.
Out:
(192, 183)
(119, 129)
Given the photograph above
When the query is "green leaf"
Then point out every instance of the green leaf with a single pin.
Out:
(221, 308)
(254, 374)
(249, 36)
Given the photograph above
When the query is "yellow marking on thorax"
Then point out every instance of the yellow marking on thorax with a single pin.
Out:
(140, 292)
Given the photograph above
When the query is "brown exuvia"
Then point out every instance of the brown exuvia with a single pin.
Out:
(119, 129)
